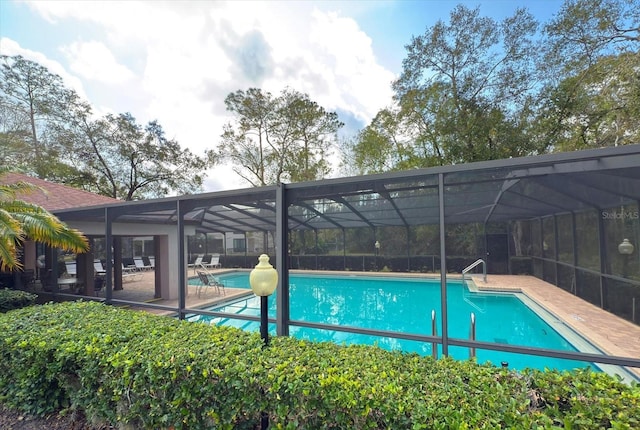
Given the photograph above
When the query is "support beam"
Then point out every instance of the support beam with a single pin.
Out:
(182, 261)
(281, 249)
(109, 217)
(443, 268)
(604, 260)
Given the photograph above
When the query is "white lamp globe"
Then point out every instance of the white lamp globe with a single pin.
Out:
(263, 278)
(625, 247)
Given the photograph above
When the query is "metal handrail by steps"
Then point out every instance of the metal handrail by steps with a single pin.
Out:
(473, 265)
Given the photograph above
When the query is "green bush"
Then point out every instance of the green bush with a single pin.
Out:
(15, 299)
(134, 369)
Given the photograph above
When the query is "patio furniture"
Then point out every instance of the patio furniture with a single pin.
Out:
(140, 264)
(214, 262)
(209, 281)
(74, 284)
(98, 284)
(70, 267)
(130, 273)
(196, 263)
(148, 263)
(98, 268)
(128, 269)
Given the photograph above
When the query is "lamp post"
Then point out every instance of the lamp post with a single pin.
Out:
(377, 247)
(626, 249)
(263, 280)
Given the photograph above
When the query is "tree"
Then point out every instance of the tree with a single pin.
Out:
(20, 220)
(597, 108)
(277, 138)
(384, 145)
(32, 99)
(47, 130)
(466, 84)
(591, 59)
(119, 158)
(314, 131)
(466, 93)
(245, 145)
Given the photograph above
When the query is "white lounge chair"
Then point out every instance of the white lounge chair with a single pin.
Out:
(195, 264)
(214, 262)
(129, 269)
(140, 264)
(130, 273)
(70, 267)
(98, 268)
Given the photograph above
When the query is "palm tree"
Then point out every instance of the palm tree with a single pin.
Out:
(20, 220)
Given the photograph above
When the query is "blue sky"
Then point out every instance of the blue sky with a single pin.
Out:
(177, 61)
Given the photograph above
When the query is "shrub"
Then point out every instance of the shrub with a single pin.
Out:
(15, 299)
(132, 368)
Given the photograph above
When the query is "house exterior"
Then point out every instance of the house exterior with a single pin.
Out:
(57, 197)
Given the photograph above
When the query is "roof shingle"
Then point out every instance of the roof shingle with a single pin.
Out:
(55, 196)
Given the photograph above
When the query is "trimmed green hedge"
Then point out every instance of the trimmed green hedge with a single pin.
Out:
(132, 368)
(15, 299)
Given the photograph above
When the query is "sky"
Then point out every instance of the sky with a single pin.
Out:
(176, 61)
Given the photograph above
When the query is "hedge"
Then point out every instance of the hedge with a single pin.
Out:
(15, 299)
(137, 370)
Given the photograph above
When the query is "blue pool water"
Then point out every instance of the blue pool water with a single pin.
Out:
(404, 305)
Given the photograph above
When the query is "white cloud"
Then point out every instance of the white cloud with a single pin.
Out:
(95, 62)
(177, 61)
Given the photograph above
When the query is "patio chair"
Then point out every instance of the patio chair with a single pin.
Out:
(98, 284)
(149, 262)
(209, 281)
(140, 264)
(128, 269)
(70, 268)
(197, 263)
(98, 268)
(214, 262)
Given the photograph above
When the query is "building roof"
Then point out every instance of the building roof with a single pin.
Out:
(56, 196)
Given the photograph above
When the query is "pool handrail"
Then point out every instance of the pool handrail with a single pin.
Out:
(474, 264)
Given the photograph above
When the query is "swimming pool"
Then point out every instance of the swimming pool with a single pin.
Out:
(405, 305)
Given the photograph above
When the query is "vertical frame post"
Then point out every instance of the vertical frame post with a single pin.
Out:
(108, 240)
(182, 267)
(281, 250)
(443, 268)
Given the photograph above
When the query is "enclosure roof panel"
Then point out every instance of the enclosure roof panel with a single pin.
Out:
(490, 191)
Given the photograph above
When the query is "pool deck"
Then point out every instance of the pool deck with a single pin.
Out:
(610, 333)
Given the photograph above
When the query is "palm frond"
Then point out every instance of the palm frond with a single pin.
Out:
(20, 220)
(11, 191)
(11, 234)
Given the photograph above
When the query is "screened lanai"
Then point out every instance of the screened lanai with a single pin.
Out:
(559, 217)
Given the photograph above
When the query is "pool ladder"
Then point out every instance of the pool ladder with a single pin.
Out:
(484, 277)
(434, 332)
(473, 265)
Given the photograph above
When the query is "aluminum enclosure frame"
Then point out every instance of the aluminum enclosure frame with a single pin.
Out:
(492, 191)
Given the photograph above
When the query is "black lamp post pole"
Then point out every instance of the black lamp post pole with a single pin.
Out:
(264, 319)
(264, 333)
